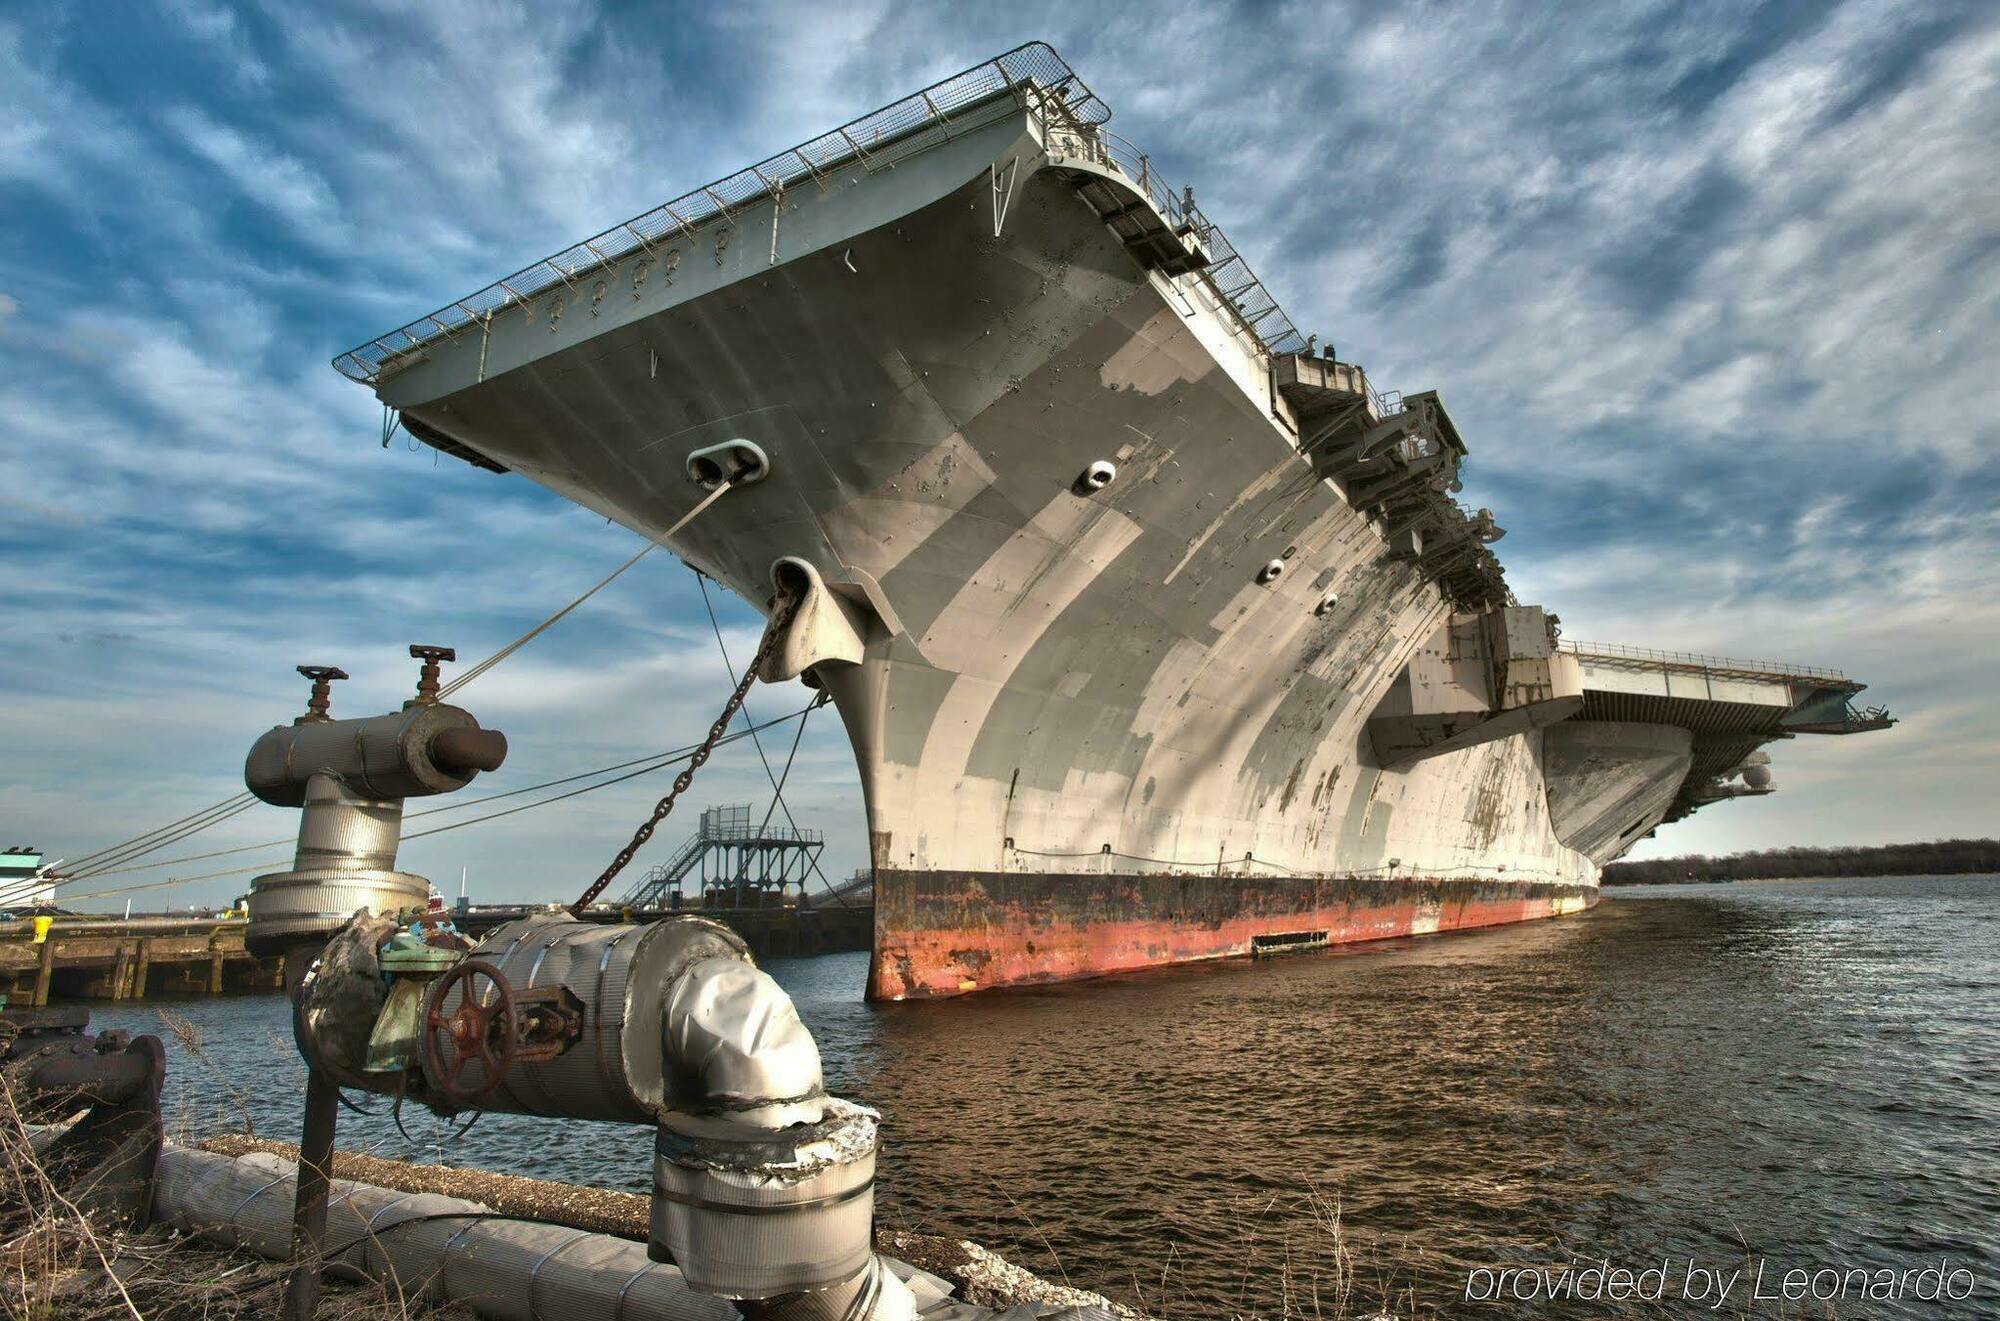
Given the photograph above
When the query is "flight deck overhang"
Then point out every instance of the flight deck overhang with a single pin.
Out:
(1480, 677)
(1731, 708)
(1397, 459)
(1500, 672)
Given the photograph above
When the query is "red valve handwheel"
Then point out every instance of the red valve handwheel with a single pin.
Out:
(470, 1028)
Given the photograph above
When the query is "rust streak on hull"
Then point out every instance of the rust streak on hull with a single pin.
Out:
(946, 933)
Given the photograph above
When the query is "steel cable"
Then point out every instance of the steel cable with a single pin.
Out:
(454, 805)
(123, 861)
(661, 763)
(104, 860)
(535, 632)
(89, 858)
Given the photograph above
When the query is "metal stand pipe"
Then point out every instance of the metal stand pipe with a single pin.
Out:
(309, 1202)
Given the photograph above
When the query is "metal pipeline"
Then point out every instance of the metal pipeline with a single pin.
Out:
(425, 748)
(763, 1185)
(351, 777)
(617, 1069)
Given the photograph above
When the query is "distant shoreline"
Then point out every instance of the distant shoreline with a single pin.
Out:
(1941, 857)
(1799, 880)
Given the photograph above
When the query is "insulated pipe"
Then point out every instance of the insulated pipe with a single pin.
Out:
(451, 1249)
(618, 1070)
(342, 831)
(396, 755)
(735, 1047)
(351, 777)
(442, 1248)
(763, 1185)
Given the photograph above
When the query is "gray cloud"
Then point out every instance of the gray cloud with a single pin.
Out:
(1713, 291)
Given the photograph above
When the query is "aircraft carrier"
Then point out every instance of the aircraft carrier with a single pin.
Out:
(1156, 627)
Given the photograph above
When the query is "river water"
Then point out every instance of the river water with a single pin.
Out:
(1798, 1076)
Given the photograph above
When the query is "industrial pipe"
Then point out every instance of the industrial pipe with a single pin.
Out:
(461, 751)
(387, 756)
(351, 777)
(441, 1248)
(763, 1185)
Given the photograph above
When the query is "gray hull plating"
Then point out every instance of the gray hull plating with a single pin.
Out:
(1055, 679)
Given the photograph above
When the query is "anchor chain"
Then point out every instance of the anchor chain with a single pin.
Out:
(780, 616)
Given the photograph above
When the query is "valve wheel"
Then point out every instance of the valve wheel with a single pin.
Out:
(470, 1029)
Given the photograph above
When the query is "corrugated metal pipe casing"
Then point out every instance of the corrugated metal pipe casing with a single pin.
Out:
(623, 975)
(763, 1186)
(346, 860)
(427, 1245)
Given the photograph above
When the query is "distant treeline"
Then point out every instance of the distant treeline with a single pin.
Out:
(1938, 857)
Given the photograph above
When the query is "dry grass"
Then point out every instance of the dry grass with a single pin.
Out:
(58, 1263)
(189, 1034)
(599, 1210)
(1296, 1246)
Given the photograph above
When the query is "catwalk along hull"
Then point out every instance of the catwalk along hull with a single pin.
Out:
(1095, 729)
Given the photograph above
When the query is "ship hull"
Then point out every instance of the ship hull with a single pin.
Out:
(949, 933)
(1089, 725)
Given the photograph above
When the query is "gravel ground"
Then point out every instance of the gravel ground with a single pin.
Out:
(986, 1278)
(624, 1214)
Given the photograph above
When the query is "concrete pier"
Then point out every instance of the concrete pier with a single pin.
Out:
(129, 959)
(121, 959)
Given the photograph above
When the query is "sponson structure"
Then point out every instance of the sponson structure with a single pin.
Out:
(1156, 627)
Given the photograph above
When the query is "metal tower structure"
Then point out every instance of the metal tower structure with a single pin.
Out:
(731, 862)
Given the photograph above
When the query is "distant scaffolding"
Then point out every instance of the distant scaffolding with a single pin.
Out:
(731, 863)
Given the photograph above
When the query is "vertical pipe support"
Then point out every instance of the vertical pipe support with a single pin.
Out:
(45, 970)
(309, 1202)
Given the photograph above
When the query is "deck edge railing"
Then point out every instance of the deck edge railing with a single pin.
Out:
(1617, 652)
(911, 122)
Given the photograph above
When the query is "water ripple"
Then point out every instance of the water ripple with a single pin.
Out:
(1805, 1072)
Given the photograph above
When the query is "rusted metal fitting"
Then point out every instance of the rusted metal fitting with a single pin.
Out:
(461, 750)
(427, 678)
(321, 698)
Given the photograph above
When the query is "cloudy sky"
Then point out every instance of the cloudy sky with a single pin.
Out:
(1713, 291)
